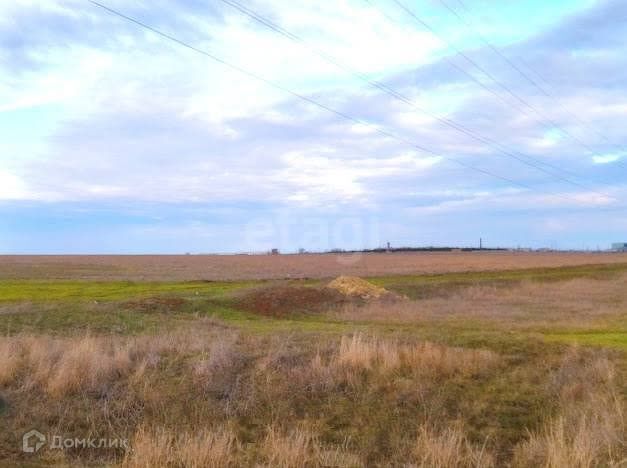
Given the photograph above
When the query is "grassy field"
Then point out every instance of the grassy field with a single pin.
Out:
(520, 367)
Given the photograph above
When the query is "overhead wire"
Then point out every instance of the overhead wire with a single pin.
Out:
(527, 76)
(320, 105)
(551, 123)
(397, 95)
(483, 86)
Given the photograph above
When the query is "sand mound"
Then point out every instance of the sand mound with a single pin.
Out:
(352, 286)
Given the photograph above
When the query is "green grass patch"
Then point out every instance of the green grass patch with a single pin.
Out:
(611, 339)
(412, 285)
(68, 319)
(73, 291)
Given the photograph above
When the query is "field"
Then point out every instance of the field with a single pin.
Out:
(255, 267)
(439, 360)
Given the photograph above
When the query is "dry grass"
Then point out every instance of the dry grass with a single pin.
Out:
(67, 366)
(212, 397)
(221, 355)
(364, 352)
(166, 448)
(10, 360)
(590, 428)
(449, 447)
(288, 450)
(453, 387)
(234, 267)
(579, 302)
(301, 448)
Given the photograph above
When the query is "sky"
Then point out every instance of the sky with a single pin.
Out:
(414, 122)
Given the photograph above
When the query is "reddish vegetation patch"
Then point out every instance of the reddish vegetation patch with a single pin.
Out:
(281, 301)
(156, 304)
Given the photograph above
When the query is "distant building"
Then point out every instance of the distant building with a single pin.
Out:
(274, 252)
(619, 246)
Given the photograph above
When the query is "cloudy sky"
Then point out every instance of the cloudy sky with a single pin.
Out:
(419, 122)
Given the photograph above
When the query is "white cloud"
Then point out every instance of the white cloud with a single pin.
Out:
(12, 187)
(606, 158)
(320, 175)
(141, 75)
(71, 75)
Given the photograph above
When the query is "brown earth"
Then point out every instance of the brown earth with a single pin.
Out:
(283, 300)
(243, 267)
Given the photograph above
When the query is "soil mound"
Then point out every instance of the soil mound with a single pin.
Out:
(354, 287)
(282, 301)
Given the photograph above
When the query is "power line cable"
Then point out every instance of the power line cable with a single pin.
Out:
(526, 76)
(500, 84)
(383, 87)
(483, 86)
(318, 104)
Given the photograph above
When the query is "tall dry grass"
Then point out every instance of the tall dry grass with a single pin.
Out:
(287, 450)
(10, 361)
(220, 357)
(449, 447)
(211, 448)
(581, 302)
(66, 366)
(280, 400)
(590, 428)
(360, 351)
(301, 448)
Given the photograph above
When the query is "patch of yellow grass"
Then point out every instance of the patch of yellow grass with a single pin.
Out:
(449, 448)
(358, 351)
(166, 448)
(443, 361)
(364, 352)
(89, 364)
(65, 366)
(302, 448)
(10, 358)
(288, 450)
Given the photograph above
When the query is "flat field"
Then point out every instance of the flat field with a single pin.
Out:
(257, 267)
(462, 359)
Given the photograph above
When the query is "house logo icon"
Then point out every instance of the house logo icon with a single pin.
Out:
(32, 441)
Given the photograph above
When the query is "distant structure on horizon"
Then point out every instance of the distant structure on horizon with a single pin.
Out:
(619, 246)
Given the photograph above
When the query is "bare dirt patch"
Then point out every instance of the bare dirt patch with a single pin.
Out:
(284, 300)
